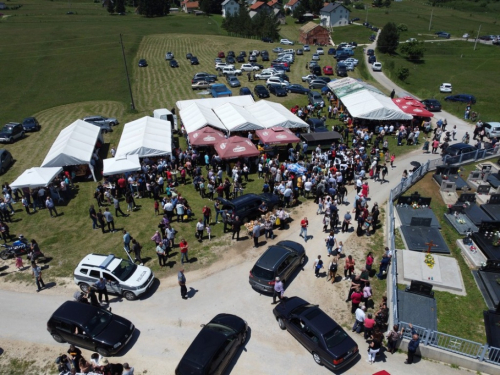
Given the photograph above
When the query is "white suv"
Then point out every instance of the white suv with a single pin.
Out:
(286, 41)
(123, 277)
(445, 87)
(492, 129)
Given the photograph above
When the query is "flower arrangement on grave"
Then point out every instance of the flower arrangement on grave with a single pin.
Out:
(473, 250)
(496, 239)
(415, 205)
(445, 177)
(429, 260)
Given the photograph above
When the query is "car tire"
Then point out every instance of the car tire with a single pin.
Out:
(105, 131)
(303, 260)
(112, 124)
(84, 287)
(281, 324)
(102, 351)
(58, 338)
(317, 358)
(129, 296)
(243, 338)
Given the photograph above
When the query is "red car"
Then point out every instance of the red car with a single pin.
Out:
(328, 70)
(221, 55)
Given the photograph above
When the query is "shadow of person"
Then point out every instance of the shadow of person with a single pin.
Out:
(191, 292)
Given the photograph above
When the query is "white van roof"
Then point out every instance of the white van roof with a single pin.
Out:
(161, 112)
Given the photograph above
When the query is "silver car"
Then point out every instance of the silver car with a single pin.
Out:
(169, 56)
(101, 120)
(233, 81)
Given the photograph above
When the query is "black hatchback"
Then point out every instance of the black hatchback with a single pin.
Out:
(214, 347)
(30, 124)
(279, 260)
(261, 91)
(90, 327)
(432, 105)
(327, 341)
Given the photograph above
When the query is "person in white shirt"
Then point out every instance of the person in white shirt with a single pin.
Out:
(360, 319)
(200, 228)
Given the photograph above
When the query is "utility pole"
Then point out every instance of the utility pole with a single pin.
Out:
(430, 22)
(366, 18)
(477, 37)
(132, 105)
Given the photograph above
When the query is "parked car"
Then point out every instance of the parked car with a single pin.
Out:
(320, 51)
(243, 53)
(240, 59)
(278, 49)
(317, 125)
(230, 60)
(169, 56)
(298, 89)
(265, 56)
(432, 105)
(194, 61)
(377, 67)
(261, 91)
(492, 129)
(286, 41)
(124, 277)
(277, 90)
(323, 78)
(312, 64)
(299, 51)
(355, 19)
(233, 81)
(30, 124)
(229, 70)
(248, 68)
(90, 327)
(214, 347)
(220, 90)
(264, 75)
(315, 98)
(6, 160)
(328, 70)
(111, 121)
(205, 76)
(332, 51)
(316, 70)
(327, 341)
(267, 40)
(231, 53)
(252, 58)
(201, 85)
(254, 64)
(306, 48)
(221, 55)
(464, 98)
(174, 64)
(189, 55)
(11, 132)
(247, 206)
(446, 87)
(442, 34)
(143, 63)
(277, 81)
(315, 57)
(372, 59)
(309, 77)
(246, 91)
(453, 152)
(349, 66)
(352, 60)
(317, 84)
(341, 70)
(370, 52)
(280, 260)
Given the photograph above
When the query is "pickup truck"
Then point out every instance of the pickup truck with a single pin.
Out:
(222, 65)
(249, 68)
(229, 70)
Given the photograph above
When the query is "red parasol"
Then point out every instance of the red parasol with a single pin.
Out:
(206, 136)
(276, 135)
(413, 107)
(235, 147)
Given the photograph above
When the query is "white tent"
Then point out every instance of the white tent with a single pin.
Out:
(197, 116)
(370, 105)
(237, 118)
(74, 146)
(210, 103)
(35, 177)
(271, 114)
(146, 136)
(116, 165)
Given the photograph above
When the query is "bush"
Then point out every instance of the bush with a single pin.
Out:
(360, 6)
(403, 73)
(389, 65)
(402, 27)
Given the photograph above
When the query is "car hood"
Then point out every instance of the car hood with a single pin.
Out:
(139, 277)
(4, 134)
(118, 330)
(229, 320)
(269, 198)
(286, 306)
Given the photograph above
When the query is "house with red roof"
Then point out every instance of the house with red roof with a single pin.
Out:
(189, 6)
(292, 4)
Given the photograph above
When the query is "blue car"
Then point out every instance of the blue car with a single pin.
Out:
(332, 51)
(464, 98)
(298, 89)
(220, 90)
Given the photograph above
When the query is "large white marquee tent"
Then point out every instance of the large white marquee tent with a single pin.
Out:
(121, 164)
(36, 177)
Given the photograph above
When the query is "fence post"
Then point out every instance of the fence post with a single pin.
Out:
(477, 155)
(426, 336)
(483, 352)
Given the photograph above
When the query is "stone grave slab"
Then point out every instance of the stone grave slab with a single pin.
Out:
(448, 191)
(492, 327)
(417, 238)
(472, 254)
(483, 189)
(458, 220)
(456, 178)
(406, 213)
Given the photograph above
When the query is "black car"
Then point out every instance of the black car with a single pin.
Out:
(214, 347)
(143, 63)
(277, 90)
(194, 61)
(432, 105)
(11, 132)
(230, 60)
(30, 124)
(372, 59)
(189, 55)
(90, 327)
(324, 78)
(341, 70)
(278, 260)
(231, 53)
(316, 70)
(459, 152)
(246, 91)
(240, 59)
(265, 56)
(261, 91)
(246, 206)
(316, 125)
(257, 64)
(6, 160)
(355, 19)
(329, 344)
(464, 98)
(267, 40)
(174, 64)
(298, 89)
(370, 52)
(243, 53)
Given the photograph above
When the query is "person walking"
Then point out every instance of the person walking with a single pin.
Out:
(126, 241)
(236, 227)
(102, 290)
(109, 220)
(184, 250)
(256, 234)
(346, 222)
(181, 279)
(332, 270)
(318, 264)
(160, 252)
(200, 227)
(384, 171)
(36, 272)
(412, 345)
(349, 267)
(278, 290)
(207, 213)
(303, 228)
(373, 349)
(137, 251)
(93, 217)
(393, 337)
(116, 203)
(360, 319)
(49, 203)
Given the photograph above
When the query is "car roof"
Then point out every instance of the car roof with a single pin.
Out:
(105, 262)
(318, 319)
(460, 146)
(79, 313)
(493, 123)
(203, 348)
(271, 256)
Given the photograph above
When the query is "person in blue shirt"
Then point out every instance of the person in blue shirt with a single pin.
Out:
(412, 345)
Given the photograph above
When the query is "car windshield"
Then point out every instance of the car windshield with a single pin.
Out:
(226, 331)
(7, 130)
(124, 270)
(98, 322)
(262, 273)
(335, 337)
(220, 88)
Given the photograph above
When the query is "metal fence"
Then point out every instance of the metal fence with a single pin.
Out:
(429, 337)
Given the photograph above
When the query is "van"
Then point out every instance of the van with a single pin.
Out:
(165, 114)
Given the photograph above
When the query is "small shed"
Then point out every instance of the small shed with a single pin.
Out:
(312, 33)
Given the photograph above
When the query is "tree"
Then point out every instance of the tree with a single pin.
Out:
(315, 6)
(414, 51)
(403, 73)
(111, 6)
(388, 39)
(152, 8)
(120, 6)
(299, 11)
(387, 3)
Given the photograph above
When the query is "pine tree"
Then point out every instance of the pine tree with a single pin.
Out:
(388, 39)
(120, 6)
(111, 6)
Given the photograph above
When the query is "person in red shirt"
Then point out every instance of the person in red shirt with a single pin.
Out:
(356, 298)
(206, 215)
(184, 250)
(369, 324)
(365, 189)
(122, 183)
(303, 228)
(369, 261)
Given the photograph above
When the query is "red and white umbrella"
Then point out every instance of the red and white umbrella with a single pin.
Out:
(206, 136)
(235, 147)
(412, 107)
(276, 135)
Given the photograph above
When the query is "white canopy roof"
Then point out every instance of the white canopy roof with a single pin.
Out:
(36, 177)
(373, 106)
(146, 136)
(197, 116)
(271, 114)
(210, 103)
(121, 164)
(237, 118)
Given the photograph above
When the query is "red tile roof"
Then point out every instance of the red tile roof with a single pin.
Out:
(193, 5)
(291, 3)
(256, 5)
(271, 3)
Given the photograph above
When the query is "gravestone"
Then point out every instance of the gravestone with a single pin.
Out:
(483, 189)
(474, 175)
(421, 222)
(486, 168)
(448, 187)
(414, 198)
(448, 191)
(421, 288)
(467, 197)
(486, 175)
(494, 199)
